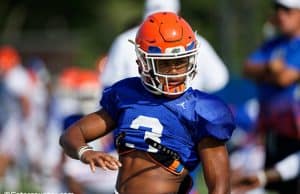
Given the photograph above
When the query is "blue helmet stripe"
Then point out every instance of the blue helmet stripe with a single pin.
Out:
(191, 46)
(154, 49)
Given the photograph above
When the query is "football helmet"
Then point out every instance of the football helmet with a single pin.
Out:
(166, 49)
(9, 58)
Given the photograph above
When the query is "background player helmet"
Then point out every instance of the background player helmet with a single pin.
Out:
(165, 36)
(9, 58)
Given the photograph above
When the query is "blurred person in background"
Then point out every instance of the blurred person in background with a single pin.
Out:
(122, 59)
(27, 104)
(34, 126)
(62, 104)
(77, 175)
(16, 84)
(275, 67)
(284, 170)
(247, 153)
(76, 94)
(41, 99)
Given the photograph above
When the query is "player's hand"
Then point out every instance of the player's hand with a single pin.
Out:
(100, 159)
(276, 66)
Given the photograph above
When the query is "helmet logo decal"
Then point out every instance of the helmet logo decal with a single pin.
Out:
(174, 50)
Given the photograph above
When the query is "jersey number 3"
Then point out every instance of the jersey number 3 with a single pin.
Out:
(152, 123)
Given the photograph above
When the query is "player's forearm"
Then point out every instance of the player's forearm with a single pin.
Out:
(287, 77)
(25, 105)
(255, 72)
(219, 183)
(72, 140)
(215, 163)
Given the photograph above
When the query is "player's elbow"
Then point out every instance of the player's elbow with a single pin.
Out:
(66, 146)
(62, 140)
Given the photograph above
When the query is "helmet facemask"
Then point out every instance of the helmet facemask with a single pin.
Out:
(167, 73)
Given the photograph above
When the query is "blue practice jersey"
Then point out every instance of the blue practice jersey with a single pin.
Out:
(280, 106)
(178, 124)
(283, 48)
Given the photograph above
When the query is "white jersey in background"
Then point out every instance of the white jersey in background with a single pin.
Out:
(17, 84)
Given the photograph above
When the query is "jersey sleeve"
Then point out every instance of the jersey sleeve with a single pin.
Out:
(109, 102)
(215, 119)
(258, 56)
(263, 53)
(292, 57)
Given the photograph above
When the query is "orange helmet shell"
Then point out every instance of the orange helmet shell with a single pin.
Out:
(9, 58)
(164, 30)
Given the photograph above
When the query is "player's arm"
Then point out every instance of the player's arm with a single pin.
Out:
(281, 74)
(214, 157)
(25, 106)
(256, 72)
(275, 72)
(284, 170)
(88, 128)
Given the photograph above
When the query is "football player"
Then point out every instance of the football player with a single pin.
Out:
(162, 127)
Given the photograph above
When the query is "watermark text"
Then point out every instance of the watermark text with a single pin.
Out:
(14, 192)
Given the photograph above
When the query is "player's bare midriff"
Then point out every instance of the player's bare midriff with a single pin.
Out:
(139, 175)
